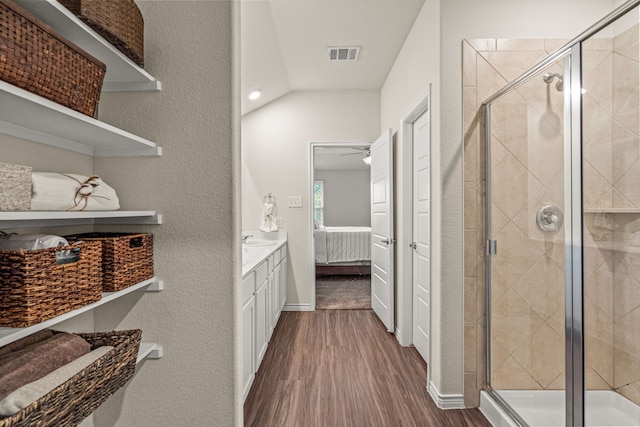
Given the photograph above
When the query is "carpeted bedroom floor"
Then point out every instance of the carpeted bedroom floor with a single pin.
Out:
(343, 292)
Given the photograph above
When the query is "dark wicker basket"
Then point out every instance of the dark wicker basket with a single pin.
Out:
(36, 58)
(34, 287)
(127, 258)
(118, 21)
(70, 403)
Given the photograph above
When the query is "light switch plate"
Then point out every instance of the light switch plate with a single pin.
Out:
(295, 201)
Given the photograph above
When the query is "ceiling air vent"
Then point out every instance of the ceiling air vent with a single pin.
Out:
(344, 53)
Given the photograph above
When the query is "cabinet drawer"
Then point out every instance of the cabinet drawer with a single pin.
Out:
(248, 287)
(276, 257)
(262, 272)
(283, 252)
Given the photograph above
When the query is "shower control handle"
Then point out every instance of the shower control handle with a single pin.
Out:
(549, 218)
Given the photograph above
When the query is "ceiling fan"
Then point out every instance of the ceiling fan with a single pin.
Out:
(364, 152)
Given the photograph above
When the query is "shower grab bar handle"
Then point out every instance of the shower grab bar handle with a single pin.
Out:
(492, 247)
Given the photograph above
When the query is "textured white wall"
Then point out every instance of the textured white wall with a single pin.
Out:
(43, 158)
(423, 61)
(347, 197)
(275, 159)
(189, 48)
(416, 67)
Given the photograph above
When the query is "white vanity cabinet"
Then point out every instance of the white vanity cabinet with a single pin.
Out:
(263, 296)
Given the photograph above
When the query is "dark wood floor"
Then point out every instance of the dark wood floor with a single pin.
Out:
(334, 368)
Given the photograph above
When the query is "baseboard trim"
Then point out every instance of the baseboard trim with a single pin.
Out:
(401, 338)
(445, 401)
(398, 336)
(297, 307)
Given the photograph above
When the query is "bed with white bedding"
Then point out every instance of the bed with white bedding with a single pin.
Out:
(342, 245)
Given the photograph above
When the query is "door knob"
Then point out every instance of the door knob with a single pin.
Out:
(413, 245)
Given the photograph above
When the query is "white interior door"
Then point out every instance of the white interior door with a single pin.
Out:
(421, 235)
(382, 259)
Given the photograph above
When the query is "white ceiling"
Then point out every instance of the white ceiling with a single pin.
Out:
(284, 44)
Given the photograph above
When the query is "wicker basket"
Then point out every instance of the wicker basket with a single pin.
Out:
(127, 258)
(15, 187)
(36, 58)
(118, 21)
(70, 403)
(34, 287)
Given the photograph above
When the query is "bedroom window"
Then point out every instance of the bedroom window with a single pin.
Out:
(318, 201)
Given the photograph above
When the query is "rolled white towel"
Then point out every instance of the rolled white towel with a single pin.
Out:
(70, 192)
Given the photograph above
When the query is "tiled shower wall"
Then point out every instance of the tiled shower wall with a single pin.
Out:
(528, 272)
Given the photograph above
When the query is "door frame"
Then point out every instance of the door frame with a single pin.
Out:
(404, 203)
(310, 216)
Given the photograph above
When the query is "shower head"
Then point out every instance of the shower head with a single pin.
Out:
(548, 78)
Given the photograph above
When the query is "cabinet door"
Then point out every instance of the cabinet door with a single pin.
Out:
(262, 321)
(249, 344)
(271, 293)
(276, 300)
(283, 283)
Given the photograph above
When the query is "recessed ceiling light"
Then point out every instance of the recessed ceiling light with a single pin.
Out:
(255, 94)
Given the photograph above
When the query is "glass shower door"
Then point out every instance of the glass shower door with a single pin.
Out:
(611, 218)
(525, 221)
(563, 233)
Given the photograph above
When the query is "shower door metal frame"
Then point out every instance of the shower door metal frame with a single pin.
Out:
(574, 355)
(574, 280)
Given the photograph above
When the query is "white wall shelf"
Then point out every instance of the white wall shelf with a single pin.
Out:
(122, 73)
(29, 116)
(31, 219)
(8, 335)
(35, 118)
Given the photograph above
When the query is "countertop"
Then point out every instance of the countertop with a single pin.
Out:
(252, 256)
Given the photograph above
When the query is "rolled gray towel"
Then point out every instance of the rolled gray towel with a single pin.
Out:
(37, 360)
(26, 341)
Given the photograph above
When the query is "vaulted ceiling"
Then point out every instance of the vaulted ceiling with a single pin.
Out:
(284, 44)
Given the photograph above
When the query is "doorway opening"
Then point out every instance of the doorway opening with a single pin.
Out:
(341, 194)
